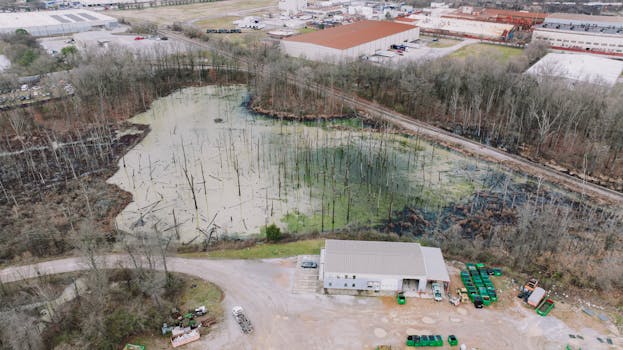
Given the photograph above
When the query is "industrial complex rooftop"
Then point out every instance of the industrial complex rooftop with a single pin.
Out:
(455, 25)
(578, 68)
(584, 28)
(43, 18)
(351, 35)
(385, 258)
(46, 23)
(572, 18)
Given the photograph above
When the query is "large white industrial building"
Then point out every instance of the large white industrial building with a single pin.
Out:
(380, 267)
(459, 27)
(349, 42)
(292, 7)
(575, 68)
(50, 23)
(599, 34)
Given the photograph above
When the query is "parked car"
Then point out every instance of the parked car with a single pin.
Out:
(308, 264)
(437, 291)
(139, 38)
(164, 38)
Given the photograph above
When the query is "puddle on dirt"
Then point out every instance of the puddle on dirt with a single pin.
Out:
(208, 165)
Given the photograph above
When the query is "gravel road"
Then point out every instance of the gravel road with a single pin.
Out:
(285, 320)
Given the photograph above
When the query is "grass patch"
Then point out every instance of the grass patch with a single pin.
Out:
(307, 30)
(501, 53)
(443, 42)
(203, 293)
(216, 23)
(264, 251)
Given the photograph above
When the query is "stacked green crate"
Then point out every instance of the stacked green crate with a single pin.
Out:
(424, 340)
(478, 283)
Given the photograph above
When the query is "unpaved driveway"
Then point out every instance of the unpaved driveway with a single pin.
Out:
(431, 53)
(284, 320)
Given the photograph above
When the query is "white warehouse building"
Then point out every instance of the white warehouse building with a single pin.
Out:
(349, 42)
(373, 267)
(578, 68)
(593, 34)
(292, 7)
(50, 23)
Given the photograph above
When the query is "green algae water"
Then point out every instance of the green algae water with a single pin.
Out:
(209, 166)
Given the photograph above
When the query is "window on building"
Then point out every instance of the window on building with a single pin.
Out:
(330, 284)
(345, 276)
(353, 285)
(354, 276)
(345, 284)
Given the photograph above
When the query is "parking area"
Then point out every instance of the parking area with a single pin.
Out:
(422, 49)
(306, 278)
(107, 39)
(286, 320)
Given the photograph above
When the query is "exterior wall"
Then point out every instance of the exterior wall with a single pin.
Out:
(582, 40)
(292, 6)
(322, 53)
(372, 283)
(310, 51)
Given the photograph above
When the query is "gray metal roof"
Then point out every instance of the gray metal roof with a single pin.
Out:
(407, 260)
(584, 28)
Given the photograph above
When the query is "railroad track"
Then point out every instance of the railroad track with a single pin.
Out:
(493, 154)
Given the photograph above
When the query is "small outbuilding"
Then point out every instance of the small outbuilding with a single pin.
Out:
(374, 267)
(349, 42)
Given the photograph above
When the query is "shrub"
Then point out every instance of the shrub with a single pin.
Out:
(273, 233)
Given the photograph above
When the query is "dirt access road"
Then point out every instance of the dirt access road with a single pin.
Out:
(451, 140)
(287, 320)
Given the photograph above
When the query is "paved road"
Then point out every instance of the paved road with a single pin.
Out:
(436, 134)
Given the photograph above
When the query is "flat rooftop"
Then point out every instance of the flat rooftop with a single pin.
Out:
(511, 13)
(399, 259)
(465, 26)
(578, 68)
(351, 35)
(585, 18)
(50, 18)
(584, 28)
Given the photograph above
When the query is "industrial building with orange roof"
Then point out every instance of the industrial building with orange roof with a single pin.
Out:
(349, 42)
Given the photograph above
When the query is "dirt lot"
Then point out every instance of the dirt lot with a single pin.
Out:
(287, 320)
(200, 12)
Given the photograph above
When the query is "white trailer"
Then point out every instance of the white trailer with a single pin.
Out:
(535, 298)
(242, 320)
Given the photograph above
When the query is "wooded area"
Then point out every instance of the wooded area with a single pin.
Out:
(571, 242)
(57, 156)
(578, 128)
